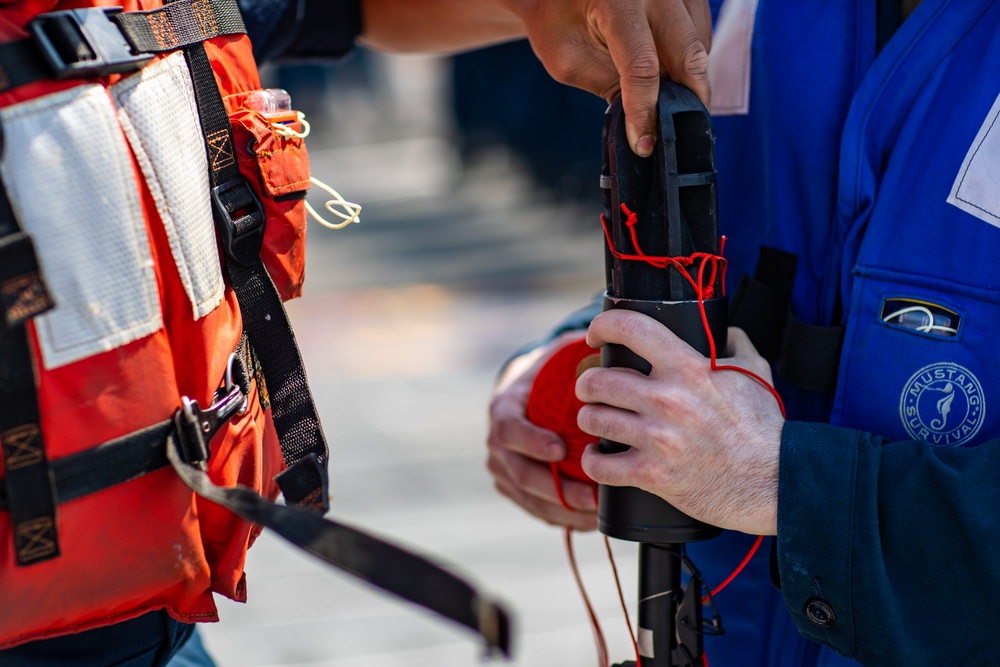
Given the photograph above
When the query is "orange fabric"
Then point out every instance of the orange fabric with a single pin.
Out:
(151, 543)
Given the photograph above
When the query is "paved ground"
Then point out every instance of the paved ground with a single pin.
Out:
(406, 319)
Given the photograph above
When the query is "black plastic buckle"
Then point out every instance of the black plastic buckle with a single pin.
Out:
(80, 43)
(196, 427)
(239, 218)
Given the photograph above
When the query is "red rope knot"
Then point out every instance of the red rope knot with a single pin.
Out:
(716, 262)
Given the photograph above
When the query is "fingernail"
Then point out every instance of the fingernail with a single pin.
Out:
(644, 147)
(555, 452)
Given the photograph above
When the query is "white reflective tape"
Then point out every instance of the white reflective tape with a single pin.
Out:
(976, 190)
(729, 60)
(72, 185)
(644, 640)
(160, 118)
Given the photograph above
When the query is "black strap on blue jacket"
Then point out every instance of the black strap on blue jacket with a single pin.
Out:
(805, 355)
(887, 22)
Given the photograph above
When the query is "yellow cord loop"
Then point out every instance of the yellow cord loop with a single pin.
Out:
(347, 211)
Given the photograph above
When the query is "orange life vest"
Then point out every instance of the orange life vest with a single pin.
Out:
(149, 543)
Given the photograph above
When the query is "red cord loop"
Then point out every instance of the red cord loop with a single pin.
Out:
(702, 290)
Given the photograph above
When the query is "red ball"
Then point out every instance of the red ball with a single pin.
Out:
(553, 405)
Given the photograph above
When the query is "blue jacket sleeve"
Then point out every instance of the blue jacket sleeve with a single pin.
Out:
(888, 551)
(301, 29)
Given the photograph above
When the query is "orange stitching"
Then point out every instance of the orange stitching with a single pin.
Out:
(22, 447)
(312, 500)
(24, 296)
(220, 149)
(205, 17)
(162, 31)
(36, 539)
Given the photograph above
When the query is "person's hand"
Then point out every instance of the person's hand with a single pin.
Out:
(705, 441)
(609, 47)
(520, 452)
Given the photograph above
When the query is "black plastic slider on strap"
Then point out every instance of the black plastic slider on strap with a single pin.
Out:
(239, 218)
(81, 43)
(805, 355)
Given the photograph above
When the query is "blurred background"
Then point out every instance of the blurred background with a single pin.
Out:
(480, 230)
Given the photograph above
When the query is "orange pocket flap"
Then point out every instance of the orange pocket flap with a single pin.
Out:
(282, 162)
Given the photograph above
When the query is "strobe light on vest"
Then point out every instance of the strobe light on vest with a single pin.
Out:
(656, 208)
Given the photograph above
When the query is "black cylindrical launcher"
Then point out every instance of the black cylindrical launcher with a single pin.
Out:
(673, 196)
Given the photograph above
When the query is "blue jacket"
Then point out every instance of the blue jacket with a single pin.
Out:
(298, 29)
(882, 172)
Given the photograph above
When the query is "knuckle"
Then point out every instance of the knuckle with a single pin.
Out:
(642, 65)
(563, 63)
(631, 327)
(694, 59)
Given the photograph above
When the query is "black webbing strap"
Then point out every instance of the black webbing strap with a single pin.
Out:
(761, 304)
(28, 484)
(384, 565)
(810, 355)
(240, 220)
(115, 462)
(98, 41)
(888, 18)
(179, 24)
(805, 355)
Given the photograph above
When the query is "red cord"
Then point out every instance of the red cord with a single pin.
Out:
(701, 290)
(733, 575)
(621, 598)
(602, 646)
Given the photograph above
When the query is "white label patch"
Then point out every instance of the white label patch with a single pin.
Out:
(644, 639)
(942, 404)
(977, 188)
(729, 60)
(160, 119)
(68, 170)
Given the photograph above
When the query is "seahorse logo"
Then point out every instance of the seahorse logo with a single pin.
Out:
(943, 404)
